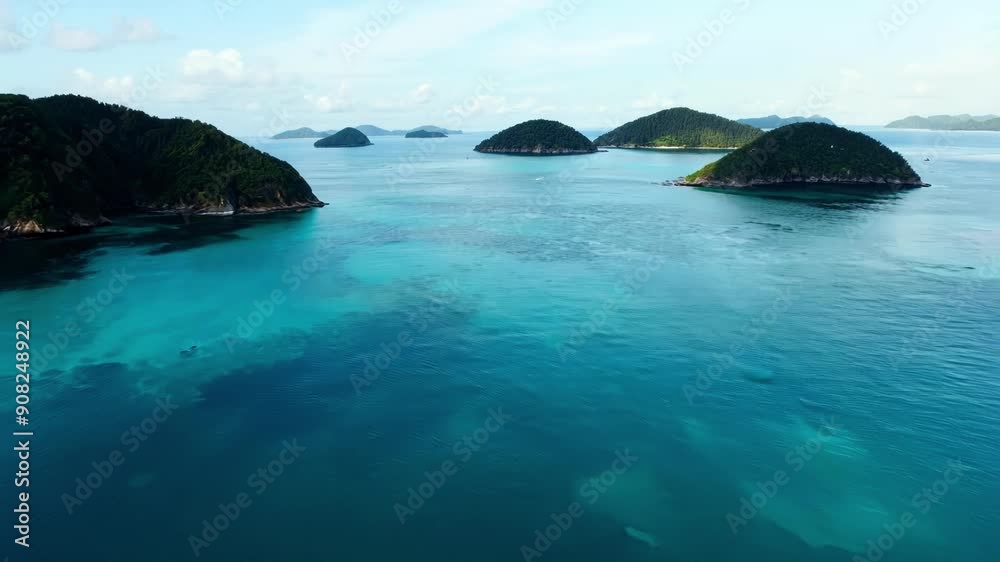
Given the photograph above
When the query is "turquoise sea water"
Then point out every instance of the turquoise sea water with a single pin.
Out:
(712, 339)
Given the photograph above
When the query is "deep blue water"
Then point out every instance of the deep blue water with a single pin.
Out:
(710, 337)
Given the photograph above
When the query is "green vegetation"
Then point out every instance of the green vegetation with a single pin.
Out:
(964, 122)
(773, 121)
(69, 161)
(809, 153)
(345, 138)
(680, 127)
(422, 134)
(538, 137)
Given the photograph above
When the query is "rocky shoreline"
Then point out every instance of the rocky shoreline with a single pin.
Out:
(77, 224)
(819, 180)
(535, 151)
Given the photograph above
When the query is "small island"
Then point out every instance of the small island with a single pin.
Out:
(809, 153)
(774, 121)
(539, 137)
(963, 122)
(680, 128)
(302, 133)
(422, 134)
(345, 138)
(69, 163)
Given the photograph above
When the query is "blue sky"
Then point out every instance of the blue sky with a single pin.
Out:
(253, 66)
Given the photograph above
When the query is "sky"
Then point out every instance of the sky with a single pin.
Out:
(254, 67)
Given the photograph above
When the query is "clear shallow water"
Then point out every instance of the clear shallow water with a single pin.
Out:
(576, 295)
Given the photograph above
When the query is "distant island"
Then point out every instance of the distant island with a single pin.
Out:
(70, 162)
(539, 137)
(680, 127)
(773, 121)
(368, 130)
(345, 138)
(422, 134)
(303, 133)
(963, 122)
(809, 153)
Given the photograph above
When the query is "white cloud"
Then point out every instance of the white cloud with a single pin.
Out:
(135, 30)
(330, 104)
(83, 75)
(202, 64)
(124, 30)
(74, 39)
(422, 93)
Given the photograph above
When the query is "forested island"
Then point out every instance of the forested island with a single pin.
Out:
(964, 122)
(70, 162)
(345, 138)
(422, 134)
(774, 121)
(680, 127)
(539, 137)
(809, 153)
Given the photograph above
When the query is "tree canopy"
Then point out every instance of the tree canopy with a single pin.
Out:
(66, 158)
(798, 152)
(680, 127)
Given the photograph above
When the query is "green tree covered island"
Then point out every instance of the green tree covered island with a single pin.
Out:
(70, 162)
(680, 127)
(344, 138)
(538, 137)
(809, 153)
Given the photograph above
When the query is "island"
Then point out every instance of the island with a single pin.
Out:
(680, 128)
(422, 134)
(302, 133)
(69, 163)
(539, 137)
(963, 122)
(368, 130)
(809, 153)
(373, 131)
(774, 121)
(436, 129)
(345, 138)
